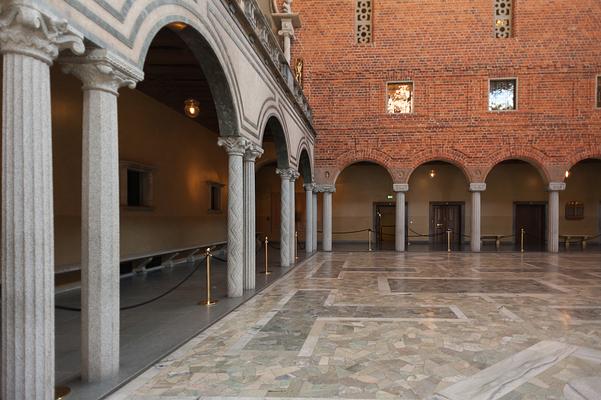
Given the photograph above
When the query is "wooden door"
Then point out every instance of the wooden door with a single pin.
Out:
(531, 217)
(446, 217)
(385, 226)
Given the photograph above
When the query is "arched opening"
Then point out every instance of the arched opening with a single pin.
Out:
(515, 199)
(173, 199)
(438, 207)
(580, 207)
(363, 201)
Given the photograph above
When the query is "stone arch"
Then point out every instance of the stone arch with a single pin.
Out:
(305, 167)
(452, 157)
(533, 158)
(593, 152)
(370, 155)
(211, 56)
(275, 129)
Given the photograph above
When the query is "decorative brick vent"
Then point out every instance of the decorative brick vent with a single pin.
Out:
(363, 21)
(503, 11)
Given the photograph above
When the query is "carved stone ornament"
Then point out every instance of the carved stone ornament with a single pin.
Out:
(102, 70)
(253, 152)
(478, 187)
(286, 173)
(400, 187)
(557, 186)
(29, 31)
(325, 188)
(234, 145)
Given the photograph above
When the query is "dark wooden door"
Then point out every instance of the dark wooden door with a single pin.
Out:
(385, 219)
(530, 217)
(446, 217)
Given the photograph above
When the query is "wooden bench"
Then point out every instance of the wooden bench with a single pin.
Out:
(567, 239)
(492, 238)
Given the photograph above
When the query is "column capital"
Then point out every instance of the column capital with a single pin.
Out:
(27, 30)
(100, 69)
(325, 188)
(309, 187)
(287, 28)
(400, 187)
(287, 173)
(478, 187)
(556, 186)
(234, 145)
(253, 151)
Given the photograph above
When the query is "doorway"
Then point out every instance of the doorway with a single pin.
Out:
(445, 217)
(385, 226)
(531, 217)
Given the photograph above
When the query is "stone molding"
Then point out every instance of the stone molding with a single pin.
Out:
(253, 151)
(400, 187)
(556, 186)
(478, 187)
(234, 145)
(286, 173)
(325, 188)
(28, 31)
(100, 69)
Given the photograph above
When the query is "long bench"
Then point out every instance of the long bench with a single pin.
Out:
(566, 239)
(492, 238)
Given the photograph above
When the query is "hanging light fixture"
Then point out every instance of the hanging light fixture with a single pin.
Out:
(192, 108)
(432, 173)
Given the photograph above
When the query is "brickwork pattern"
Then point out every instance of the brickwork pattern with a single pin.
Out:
(449, 50)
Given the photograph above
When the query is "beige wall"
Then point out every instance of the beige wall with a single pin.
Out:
(185, 155)
(583, 185)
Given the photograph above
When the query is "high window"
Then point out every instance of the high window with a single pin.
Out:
(399, 97)
(136, 185)
(502, 95)
(363, 21)
(502, 16)
(215, 196)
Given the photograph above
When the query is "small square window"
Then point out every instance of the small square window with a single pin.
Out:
(502, 95)
(599, 91)
(136, 185)
(215, 196)
(399, 97)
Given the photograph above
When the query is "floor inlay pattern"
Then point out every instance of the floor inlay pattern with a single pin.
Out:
(411, 326)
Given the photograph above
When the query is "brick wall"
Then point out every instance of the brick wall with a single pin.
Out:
(448, 50)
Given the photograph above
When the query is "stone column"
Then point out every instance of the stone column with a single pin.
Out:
(236, 147)
(314, 224)
(285, 227)
(476, 189)
(400, 189)
(309, 218)
(327, 191)
(250, 248)
(102, 75)
(553, 216)
(29, 41)
(293, 179)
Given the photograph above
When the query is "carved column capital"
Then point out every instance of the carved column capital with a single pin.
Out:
(26, 30)
(556, 186)
(100, 69)
(400, 187)
(325, 188)
(309, 187)
(285, 173)
(253, 152)
(234, 145)
(287, 28)
(478, 187)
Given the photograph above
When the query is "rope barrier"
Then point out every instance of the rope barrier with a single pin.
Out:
(131, 307)
(349, 232)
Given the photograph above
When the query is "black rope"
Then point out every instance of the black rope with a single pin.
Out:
(349, 232)
(124, 308)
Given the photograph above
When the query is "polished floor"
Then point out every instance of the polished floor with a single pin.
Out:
(358, 325)
(152, 331)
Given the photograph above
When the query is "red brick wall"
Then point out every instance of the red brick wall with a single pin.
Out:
(448, 50)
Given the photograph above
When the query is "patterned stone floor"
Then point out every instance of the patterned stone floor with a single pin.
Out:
(458, 326)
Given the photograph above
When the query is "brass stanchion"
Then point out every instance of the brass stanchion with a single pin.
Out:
(296, 245)
(369, 240)
(61, 392)
(449, 240)
(523, 231)
(266, 272)
(208, 301)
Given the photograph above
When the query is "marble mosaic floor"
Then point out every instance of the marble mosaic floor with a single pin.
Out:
(458, 326)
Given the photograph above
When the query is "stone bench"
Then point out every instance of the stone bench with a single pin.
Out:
(568, 238)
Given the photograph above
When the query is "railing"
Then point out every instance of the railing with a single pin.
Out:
(254, 18)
